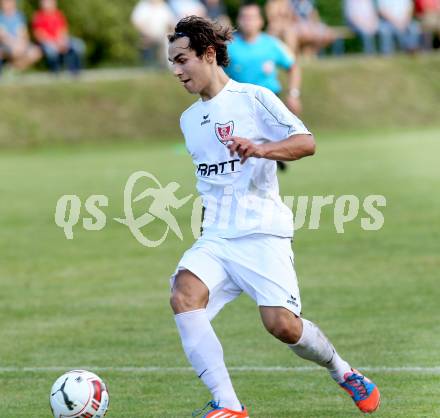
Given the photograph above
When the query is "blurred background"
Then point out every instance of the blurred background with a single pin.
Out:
(87, 98)
(345, 50)
(112, 39)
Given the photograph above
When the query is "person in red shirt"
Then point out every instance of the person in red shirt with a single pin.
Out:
(428, 12)
(51, 30)
(423, 6)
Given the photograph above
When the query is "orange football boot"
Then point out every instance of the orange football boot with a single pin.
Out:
(217, 412)
(362, 390)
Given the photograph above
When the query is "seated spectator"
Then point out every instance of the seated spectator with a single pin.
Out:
(397, 17)
(280, 21)
(183, 8)
(311, 33)
(428, 12)
(362, 17)
(51, 31)
(15, 46)
(153, 19)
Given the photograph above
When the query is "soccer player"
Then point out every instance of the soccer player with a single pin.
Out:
(235, 132)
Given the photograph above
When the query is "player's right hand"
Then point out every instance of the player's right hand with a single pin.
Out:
(244, 147)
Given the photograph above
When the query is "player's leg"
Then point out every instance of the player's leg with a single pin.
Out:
(305, 339)
(195, 300)
(310, 343)
(264, 269)
(282, 166)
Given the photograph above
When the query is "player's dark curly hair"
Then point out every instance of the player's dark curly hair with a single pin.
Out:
(203, 33)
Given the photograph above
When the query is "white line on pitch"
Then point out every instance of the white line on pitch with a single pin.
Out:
(379, 369)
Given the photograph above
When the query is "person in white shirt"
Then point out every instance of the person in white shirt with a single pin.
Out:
(362, 17)
(397, 17)
(153, 19)
(235, 133)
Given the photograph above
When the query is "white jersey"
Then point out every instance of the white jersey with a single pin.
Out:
(239, 199)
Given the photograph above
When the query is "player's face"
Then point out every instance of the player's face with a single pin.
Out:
(250, 20)
(192, 71)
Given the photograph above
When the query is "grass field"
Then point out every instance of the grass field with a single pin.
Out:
(100, 301)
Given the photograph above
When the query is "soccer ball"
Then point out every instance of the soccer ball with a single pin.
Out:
(79, 394)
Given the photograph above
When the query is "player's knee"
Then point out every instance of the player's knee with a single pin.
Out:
(183, 302)
(283, 332)
(189, 293)
(180, 302)
(286, 329)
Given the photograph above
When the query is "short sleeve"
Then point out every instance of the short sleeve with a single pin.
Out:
(274, 121)
(285, 58)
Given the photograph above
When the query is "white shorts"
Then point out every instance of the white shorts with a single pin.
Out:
(260, 265)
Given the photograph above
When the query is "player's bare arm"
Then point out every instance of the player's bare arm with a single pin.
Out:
(293, 99)
(293, 148)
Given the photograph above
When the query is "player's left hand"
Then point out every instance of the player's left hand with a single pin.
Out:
(245, 148)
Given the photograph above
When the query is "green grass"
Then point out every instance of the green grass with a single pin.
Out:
(101, 299)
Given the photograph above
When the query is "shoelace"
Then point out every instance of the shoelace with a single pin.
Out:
(211, 404)
(357, 382)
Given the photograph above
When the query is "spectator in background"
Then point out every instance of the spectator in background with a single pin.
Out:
(280, 21)
(15, 46)
(362, 17)
(153, 19)
(216, 10)
(183, 8)
(311, 33)
(428, 12)
(397, 17)
(52, 33)
(255, 55)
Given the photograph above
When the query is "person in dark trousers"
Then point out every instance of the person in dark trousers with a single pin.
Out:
(52, 33)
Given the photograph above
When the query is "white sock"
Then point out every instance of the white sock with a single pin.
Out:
(314, 346)
(205, 353)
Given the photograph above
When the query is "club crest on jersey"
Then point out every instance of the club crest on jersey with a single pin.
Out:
(224, 131)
